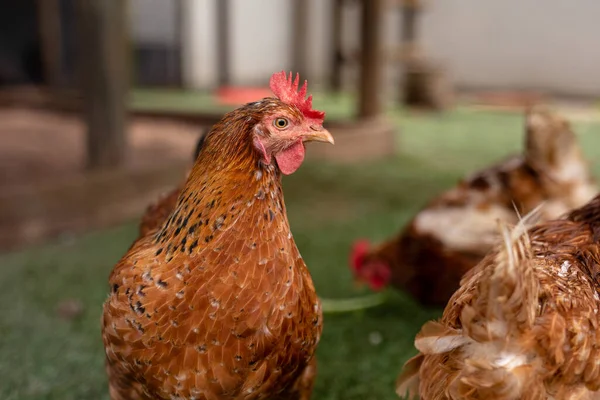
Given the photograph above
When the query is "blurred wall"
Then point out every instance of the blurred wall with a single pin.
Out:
(549, 44)
(152, 21)
(260, 40)
(156, 39)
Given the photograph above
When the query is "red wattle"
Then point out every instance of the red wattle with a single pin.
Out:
(360, 248)
(290, 159)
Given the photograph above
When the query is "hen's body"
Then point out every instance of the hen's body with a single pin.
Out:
(218, 303)
(524, 323)
(457, 229)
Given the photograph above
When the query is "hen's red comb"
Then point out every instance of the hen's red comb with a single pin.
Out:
(287, 91)
(360, 249)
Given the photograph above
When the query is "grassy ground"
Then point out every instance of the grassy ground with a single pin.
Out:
(45, 357)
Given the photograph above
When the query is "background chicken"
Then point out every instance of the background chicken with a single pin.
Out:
(158, 212)
(455, 231)
(524, 323)
(218, 303)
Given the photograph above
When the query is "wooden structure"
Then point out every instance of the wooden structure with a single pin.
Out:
(223, 47)
(337, 61)
(50, 38)
(107, 192)
(424, 83)
(300, 10)
(103, 71)
(104, 76)
(371, 135)
(369, 103)
(31, 214)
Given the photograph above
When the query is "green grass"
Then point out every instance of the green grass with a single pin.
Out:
(360, 354)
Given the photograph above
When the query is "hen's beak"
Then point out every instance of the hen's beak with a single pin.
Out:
(318, 134)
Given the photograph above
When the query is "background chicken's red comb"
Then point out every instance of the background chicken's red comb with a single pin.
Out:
(360, 248)
(287, 91)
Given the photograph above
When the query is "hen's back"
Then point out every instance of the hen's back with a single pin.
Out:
(524, 323)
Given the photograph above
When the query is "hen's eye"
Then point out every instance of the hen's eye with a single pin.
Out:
(280, 123)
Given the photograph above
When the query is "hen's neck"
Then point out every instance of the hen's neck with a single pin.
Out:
(228, 185)
(215, 198)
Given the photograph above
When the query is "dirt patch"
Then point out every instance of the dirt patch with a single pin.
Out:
(37, 146)
(46, 190)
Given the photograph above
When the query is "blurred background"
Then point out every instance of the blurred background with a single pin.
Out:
(102, 103)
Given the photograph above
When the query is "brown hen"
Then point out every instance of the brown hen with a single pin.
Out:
(524, 323)
(455, 230)
(218, 303)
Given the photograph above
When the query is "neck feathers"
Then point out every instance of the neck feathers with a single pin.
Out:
(211, 203)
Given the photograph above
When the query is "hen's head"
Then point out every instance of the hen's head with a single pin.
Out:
(271, 131)
(287, 123)
(367, 268)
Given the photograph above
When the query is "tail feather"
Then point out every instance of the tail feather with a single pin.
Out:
(498, 384)
(508, 292)
(408, 382)
(500, 321)
(435, 338)
(488, 355)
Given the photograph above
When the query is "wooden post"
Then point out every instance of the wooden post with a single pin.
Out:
(408, 34)
(104, 75)
(409, 24)
(177, 62)
(50, 40)
(223, 42)
(370, 59)
(299, 36)
(337, 49)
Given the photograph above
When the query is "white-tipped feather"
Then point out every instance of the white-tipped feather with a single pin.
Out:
(435, 338)
(407, 384)
(497, 323)
(529, 220)
(488, 342)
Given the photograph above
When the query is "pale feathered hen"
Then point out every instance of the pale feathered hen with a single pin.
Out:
(524, 323)
(457, 229)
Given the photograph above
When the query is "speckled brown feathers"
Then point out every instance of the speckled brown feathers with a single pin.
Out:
(524, 323)
(217, 303)
(455, 230)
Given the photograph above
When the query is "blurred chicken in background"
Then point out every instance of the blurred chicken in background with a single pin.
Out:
(455, 230)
